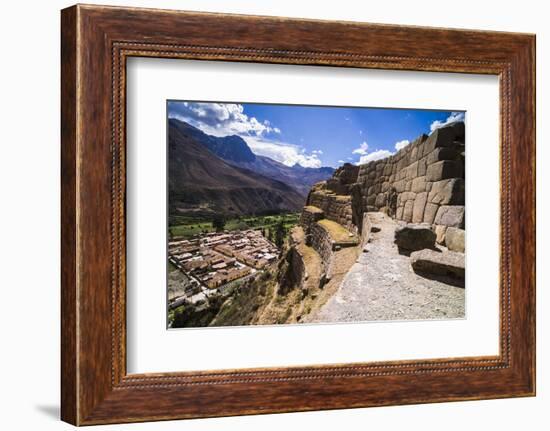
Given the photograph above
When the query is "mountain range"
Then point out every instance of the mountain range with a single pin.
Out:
(201, 182)
(235, 151)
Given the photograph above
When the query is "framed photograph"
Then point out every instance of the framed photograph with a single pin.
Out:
(266, 215)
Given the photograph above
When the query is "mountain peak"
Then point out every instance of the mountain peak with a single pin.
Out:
(234, 150)
(230, 148)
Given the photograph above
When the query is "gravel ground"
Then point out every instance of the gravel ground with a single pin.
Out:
(381, 285)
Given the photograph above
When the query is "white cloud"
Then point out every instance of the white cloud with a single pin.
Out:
(220, 119)
(362, 150)
(375, 155)
(402, 144)
(453, 118)
(341, 161)
(223, 119)
(283, 152)
(360, 132)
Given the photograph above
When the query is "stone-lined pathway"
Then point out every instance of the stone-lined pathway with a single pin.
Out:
(381, 285)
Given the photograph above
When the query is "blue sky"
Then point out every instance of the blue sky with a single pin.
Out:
(314, 136)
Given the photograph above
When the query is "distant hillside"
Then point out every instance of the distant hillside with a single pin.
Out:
(234, 150)
(302, 179)
(201, 183)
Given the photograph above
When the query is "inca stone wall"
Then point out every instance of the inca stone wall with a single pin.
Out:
(310, 214)
(335, 207)
(423, 182)
(333, 196)
(322, 243)
(326, 238)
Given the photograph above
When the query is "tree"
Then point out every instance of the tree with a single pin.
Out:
(280, 234)
(242, 226)
(218, 223)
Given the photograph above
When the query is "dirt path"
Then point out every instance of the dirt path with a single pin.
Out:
(381, 285)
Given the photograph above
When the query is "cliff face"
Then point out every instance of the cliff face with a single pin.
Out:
(422, 183)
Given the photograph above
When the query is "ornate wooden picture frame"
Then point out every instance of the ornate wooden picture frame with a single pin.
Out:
(96, 41)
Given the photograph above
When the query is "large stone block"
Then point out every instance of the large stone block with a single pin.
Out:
(414, 153)
(444, 169)
(445, 137)
(365, 230)
(447, 192)
(429, 212)
(422, 165)
(418, 207)
(407, 196)
(394, 167)
(443, 153)
(412, 171)
(399, 213)
(380, 200)
(455, 239)
(400, 186)
(419, 143)
(401, 199)
(408, 211)
(440, 233)
(414, 237)
(447, 263)
(450, 215)
(419, 184)
(402, 164)
(375, 189)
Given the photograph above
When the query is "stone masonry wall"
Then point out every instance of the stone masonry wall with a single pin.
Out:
(333, 196)
(310, 214)
(423, 182)
(335, 207)
(321, 241)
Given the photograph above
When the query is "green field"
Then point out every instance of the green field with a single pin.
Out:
(187, 227)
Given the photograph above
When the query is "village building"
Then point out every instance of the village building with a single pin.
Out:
(216, 259)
